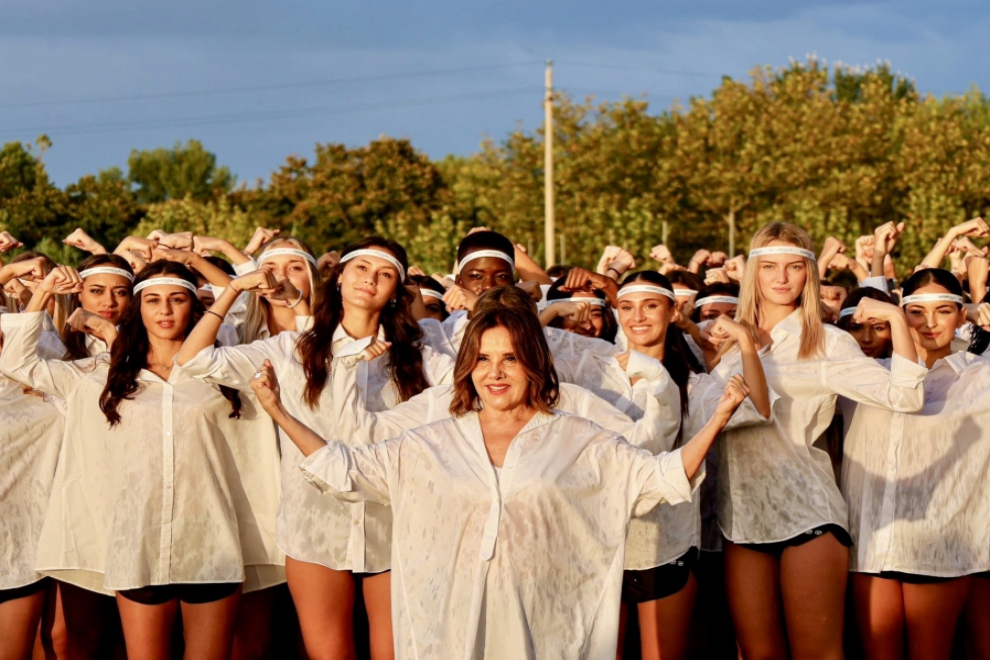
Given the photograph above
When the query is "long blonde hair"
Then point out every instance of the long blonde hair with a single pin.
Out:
(809, 302)
(256, 317)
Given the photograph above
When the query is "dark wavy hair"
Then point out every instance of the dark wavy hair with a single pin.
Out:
(129, 354)
(678, 359)
(531, 351)
(405, 361)
(75, 342)
(852, 300)
(926, 276)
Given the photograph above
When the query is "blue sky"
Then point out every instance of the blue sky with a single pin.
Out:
(257, 81)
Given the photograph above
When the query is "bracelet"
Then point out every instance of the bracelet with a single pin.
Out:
(210, 311)
(298, 300)
(613, 268)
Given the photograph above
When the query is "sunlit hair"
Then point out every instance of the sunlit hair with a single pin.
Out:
(63, 302)
(531, 351)
(258, 309)
(505, 297)
(405, 359)
(75, 342)
(678, 359)
(809, 302)
(129, 354)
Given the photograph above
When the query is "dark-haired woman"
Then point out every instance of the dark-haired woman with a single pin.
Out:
(158, 497)
(600, 320)
(663, 546)
(918, 489)
(363, 297)
(873, 336)
(509, 517)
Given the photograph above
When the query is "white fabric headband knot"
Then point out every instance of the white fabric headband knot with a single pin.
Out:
(106, 270)
(684, 293)
(376, 253)
(175, 281)
(782, 249)
(287, 252)
(430, 293)
(645, 288)
(594, 302)
(711, 300)
(848, 311)
(933, 297)
(481, 254)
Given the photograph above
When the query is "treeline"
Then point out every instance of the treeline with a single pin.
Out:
(837, 150)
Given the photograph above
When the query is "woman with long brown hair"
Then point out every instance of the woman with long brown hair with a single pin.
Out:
(363, 297)
(510, 518)
(158, 500)
(779, 507)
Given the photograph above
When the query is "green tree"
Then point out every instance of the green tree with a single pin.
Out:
(162, 174)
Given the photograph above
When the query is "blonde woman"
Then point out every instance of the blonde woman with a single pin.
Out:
(287, 259)
(779, 507)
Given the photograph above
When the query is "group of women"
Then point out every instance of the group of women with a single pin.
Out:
(505, 462)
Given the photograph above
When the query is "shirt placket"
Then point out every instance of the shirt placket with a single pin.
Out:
(356, 540)
(885, 522)
(168, 485)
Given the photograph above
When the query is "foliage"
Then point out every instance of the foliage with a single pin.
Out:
(161, 174)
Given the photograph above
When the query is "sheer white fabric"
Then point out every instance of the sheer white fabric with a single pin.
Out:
(528, 566)
(918, 484)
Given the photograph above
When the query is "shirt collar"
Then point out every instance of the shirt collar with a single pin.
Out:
(958, 362)
(790, 325)
(341, 338)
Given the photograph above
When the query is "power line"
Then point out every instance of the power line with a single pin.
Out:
(622, 67)
(260, 88)
(82, 129)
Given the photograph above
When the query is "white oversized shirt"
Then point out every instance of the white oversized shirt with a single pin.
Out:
(339, 535)
(918, 484)
(524, 565)
(176, 493)
(773, 483)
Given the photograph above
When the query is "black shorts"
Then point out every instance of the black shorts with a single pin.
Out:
(23, 592)
(777, 547)
(659, 582)
(195, 594)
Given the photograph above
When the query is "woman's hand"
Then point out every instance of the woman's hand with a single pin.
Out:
(32, 270)
(61, 280)
(259, 281)
(375, 349)
(662, 254)
(92, 324)
(206, 245)
(870, 310)
(582, 279)
(717, 276)
(735, 268)
(262, 237)
(736, 391)
(182, 240)
(983, 316)
(265, 386)
(285, 291)
(975, 228)
(458, 298)
(83, 241)
(143, 246)
(725, 329)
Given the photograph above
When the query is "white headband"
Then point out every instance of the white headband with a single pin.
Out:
(684, 293)
(430, 293)
(782, 249)
(848, 311)
(287, 252)
(711, 300)
(932, 297)
(155, 281)
(376, 253)
(594, 302)
(481, 254)
(645, 288)
(106, 270)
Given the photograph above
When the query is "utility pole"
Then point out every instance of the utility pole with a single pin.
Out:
(549, 241)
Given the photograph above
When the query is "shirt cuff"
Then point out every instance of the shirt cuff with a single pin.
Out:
(248, 266)
(674, 483)
(327, 469)
(905, 373)
(879, 282)
(643, 366)
(21, 320)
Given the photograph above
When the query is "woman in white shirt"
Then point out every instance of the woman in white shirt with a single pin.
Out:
(106, 291)
(918, 489)
(29, 445)
(286, 259)
(362, 297)
(509, 517)
(159, 499)
(778, 504)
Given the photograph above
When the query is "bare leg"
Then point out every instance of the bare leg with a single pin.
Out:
(813, 579)
(931, 612)
(79, 624)
(879, 607)
(19, 619)
(664, 624)
(148, 628)
(253, 633)
(977, 618)
(378, 603)
(324, 600)
(753, 584)
(208, 628)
